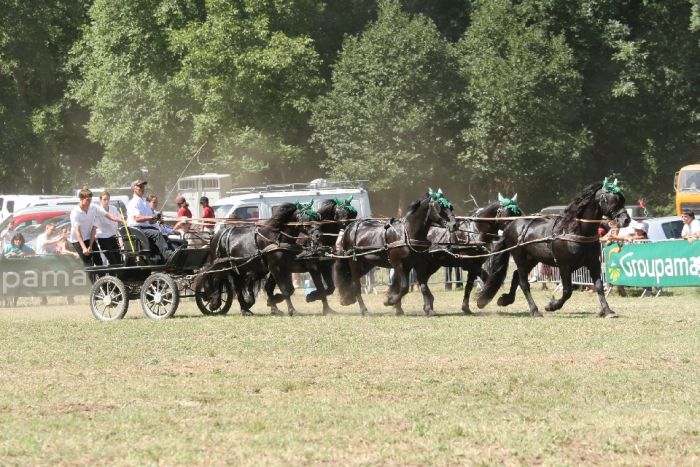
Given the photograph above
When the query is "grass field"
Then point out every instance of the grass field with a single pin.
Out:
(494, 388)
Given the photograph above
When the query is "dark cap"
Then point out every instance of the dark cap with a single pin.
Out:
(203, 199)
(688, 212)
(138, 183)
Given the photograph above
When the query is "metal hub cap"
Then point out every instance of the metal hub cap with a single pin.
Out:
(107, 300)
(158, 298)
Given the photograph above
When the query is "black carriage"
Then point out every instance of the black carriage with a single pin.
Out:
(158, 285)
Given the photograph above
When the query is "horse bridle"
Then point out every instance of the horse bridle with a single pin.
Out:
(604, 198)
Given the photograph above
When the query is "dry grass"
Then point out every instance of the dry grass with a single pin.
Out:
(495, 388)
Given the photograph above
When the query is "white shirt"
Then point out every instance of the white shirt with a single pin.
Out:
(138, 207)
(107, 228)
(43, 248)
(691, 229)
(84, 221)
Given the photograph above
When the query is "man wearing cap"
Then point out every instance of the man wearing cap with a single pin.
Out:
(691, 226)
(183, 212)
(140, 215)
(207, 212)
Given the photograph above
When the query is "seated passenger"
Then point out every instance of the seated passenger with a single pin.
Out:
(140, 216)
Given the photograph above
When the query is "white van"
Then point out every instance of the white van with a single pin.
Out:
(260, 202)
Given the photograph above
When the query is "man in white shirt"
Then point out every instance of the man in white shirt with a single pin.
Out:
(47, 242)
(140, 215)
(83, 229)
(107, 233)
(691, 227)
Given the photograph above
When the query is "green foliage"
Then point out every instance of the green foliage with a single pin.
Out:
(525, 92)
(393, 111)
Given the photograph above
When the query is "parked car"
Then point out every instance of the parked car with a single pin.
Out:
(664, 228)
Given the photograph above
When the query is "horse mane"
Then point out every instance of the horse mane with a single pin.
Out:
(413, 206)
(573, 210)
(326, 210)
(284, 213)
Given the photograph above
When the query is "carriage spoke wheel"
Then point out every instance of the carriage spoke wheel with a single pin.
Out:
(159, 296)
(109, 300)
(207, 307)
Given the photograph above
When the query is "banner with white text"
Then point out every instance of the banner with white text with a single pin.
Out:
(673, 263)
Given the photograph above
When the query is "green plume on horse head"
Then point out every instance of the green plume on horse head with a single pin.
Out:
(306, 208)
(440, 198)
(611, 187)
(346, 204)
(510, 204)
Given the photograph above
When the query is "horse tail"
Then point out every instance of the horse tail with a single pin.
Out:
(342, 277)
(499, 271)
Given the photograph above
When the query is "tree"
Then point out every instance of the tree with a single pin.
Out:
(43, 148)
(525, 93)
(392, 115)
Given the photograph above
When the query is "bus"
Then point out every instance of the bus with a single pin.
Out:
(686, 184)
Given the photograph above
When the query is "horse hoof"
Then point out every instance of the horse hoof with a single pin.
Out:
(330, 311)
(275, 312)
(247, 313)
(399, 313)
(536, 314)
(504, 300)
(291, 312)
(467, 311)
(607, 314)
(480, 303)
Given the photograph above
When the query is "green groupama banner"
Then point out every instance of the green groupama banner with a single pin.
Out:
(673, 263)
(35, 276)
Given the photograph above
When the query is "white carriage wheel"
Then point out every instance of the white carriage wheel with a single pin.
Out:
(159, 296)
(109, 300)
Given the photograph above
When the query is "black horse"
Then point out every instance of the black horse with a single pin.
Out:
(397, 244)
(568, 242)
(453, 249)
(248, 252)
(334, 214)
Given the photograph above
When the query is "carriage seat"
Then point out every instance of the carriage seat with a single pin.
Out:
(141, 247)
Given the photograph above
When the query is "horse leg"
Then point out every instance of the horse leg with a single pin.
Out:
(320, 290)
(428, 299)
(272, 299)
(524, 268)
(508, 298)
(239, 285)
(472, 273)
(567, 289)
(283, 278)
(605, 311)
(361, 303)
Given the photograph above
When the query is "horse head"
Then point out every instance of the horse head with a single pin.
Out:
(343, 210)
(492, 214)
(440, 210)
(309, 219)
(612, 203)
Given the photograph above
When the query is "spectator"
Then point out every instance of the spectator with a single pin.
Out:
(691, 226)
(107, 233)
(64, 247)
(639, 232)
(207, 213)
(613, 233)
(182, 212)
(7, 234)
(17, 247)
(47, 242)
(140, 215)
(153, 203)
(83, 219)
